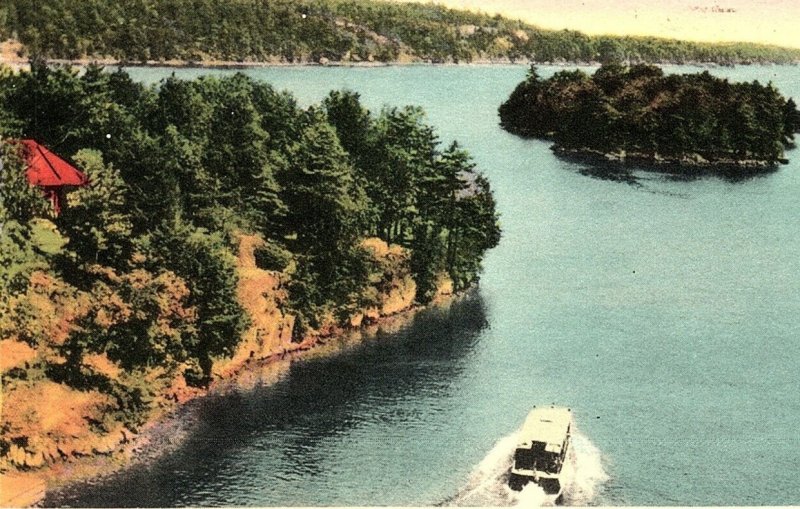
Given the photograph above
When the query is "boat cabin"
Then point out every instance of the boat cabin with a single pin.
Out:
(540, 455)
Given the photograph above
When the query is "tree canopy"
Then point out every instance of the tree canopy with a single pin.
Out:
(142, 257)
(638, 111)
(337, 30)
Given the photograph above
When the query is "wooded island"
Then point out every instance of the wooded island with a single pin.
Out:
(638, 113)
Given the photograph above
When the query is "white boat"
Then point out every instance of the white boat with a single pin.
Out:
(541, 454)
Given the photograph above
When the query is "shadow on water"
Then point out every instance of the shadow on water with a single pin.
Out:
(634, 173)
(292, 422)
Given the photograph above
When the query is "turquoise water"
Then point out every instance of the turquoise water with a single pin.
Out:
(665, 312)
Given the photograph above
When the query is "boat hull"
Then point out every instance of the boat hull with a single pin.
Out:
(552, 487)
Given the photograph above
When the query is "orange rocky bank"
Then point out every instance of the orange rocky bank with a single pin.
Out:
(51, 431)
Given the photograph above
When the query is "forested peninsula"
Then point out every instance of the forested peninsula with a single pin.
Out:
(221, 224)
(637, 113)
(324, 31)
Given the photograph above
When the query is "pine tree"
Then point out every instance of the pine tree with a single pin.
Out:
(351, 120)
(96, 220)
(326, 213)
(202, 260)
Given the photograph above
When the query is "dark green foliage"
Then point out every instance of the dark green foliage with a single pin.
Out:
(474, 232)
(339, 30)
(791, 121)
(19, 204)
(177, 169)
(18, 200)
(325, 204)
(428, 253)
(404, 152)
(351, 120)
(96, 219)
(642, 112)
(271, 256)
(18, 258)
(429, 200)
(204, 262)
(327, 214)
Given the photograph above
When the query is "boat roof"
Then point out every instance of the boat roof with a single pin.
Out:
(547, 425)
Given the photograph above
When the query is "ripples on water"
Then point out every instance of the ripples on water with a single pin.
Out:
(663, 310)
(488, 482)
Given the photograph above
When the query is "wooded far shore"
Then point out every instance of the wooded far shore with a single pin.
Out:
(325, 31)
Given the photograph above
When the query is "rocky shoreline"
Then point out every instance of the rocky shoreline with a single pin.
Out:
(263, 356)
(167, 430)
(684, 161)
(10, 55)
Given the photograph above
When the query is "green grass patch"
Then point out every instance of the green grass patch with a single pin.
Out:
(46, 237)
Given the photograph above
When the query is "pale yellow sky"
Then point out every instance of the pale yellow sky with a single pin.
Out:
(763, 21)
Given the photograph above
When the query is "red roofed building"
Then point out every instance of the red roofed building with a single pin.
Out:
(51, 173)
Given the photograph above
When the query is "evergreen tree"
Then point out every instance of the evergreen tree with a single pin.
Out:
(19, 204)
(352, 122)
(638, 109)
(96, 219)
(791, 120)
(326, 212)
(477, 230)
(325, 204)
(202, 260)
(428, 253)
(405, 148)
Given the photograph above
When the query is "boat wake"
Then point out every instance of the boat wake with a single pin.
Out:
(488, 482)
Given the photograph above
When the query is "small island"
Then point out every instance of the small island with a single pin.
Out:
(639, 114)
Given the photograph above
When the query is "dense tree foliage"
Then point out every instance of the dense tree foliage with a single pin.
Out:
(19, 205)
(338, 30)
(639, 111)
(418, 195)
(141, 260)
(96, 220)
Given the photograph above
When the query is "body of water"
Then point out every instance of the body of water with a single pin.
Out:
(664, 311)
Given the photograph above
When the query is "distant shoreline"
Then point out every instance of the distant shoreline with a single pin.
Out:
(19, 63)
(689, 160)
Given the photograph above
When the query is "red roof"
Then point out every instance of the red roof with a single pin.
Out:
(47, 169)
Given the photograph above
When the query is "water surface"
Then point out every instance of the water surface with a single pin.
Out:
(663, 311)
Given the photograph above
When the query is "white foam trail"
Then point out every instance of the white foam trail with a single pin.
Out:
(588, 474)
(488, 482)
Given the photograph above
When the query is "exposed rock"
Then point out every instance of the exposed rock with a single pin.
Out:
(106, 445)
(15, 354)
(400, 297)
(20, 490)
(16, 454)
(34, 460)
(444, 286)
(42, 436)
(356, 320)
(467, 30)
(52, 453)
(521, 35)
(684, 160)
(101, 364)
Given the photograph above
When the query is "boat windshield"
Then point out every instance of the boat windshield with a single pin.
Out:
(536, 458)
